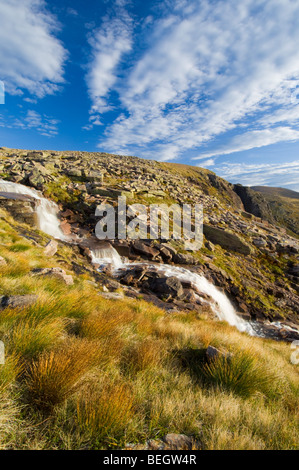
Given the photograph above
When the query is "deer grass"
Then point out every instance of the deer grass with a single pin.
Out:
(104, 412)
(57, 374)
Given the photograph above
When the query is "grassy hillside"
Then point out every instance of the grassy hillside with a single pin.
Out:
(83, 372)
(284, 205)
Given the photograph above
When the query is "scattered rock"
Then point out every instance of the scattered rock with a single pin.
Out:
(213, 353)
(51, 248)
(2, 262)
(227, 240)
(112, 295)
(185, 259)
(178, 442)
(17, 301)
(54, 272)
(145, 249)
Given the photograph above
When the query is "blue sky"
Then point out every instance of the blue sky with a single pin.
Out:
(213, 83)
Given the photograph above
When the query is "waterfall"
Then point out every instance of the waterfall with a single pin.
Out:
(106, 255)
(46, 210)
(221, 305)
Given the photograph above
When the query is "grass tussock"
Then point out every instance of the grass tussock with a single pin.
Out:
(83, 372)
(241, 374)
(104, 412)
(56, 375)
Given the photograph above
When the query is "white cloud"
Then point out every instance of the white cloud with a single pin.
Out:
(43, 124)
(109, 44)
(210, 67)
(254, 139)
(208, 163)
(255, 174)
(31, 57)
(2, 92)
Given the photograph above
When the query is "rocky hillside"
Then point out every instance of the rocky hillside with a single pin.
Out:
(284, 206)
(141, 360)
(253, 260)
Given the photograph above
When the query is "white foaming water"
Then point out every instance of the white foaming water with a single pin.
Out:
(221, 305)
(46, 210)
(106, 255)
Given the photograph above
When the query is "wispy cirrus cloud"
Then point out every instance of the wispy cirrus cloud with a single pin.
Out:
(109, 44)
(210, 67)
(254, 139)
(31, 56)
(43, 124)
(264, 174)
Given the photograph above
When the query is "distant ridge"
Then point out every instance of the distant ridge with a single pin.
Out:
(276, 191)
(284, 205)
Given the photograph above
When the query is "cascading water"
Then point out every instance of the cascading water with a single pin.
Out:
(106, 255)
(220, 305)
(46, 210)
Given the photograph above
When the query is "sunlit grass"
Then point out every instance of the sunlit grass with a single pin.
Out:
(83, 372)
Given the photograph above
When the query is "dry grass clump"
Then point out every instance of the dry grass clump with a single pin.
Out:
(57, 374)
(104, 412)
(9, 411)
(105, 324)
(146, 353)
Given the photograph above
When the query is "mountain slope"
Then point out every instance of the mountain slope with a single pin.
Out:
(85, 372)
(253, 261)
(284, 205)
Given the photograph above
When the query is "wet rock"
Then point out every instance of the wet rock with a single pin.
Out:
(167, 286)
(66, 227)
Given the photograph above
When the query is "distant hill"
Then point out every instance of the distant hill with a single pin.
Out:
(281, 192)
(284, 205)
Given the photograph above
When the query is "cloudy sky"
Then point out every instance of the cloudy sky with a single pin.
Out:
(213, 83)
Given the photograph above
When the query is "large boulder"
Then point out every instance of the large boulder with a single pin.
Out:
(145, 249)
(22, 208)
(167, 287)
(227, 240)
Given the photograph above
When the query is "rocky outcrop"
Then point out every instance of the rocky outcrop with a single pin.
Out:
(22, 208)
(227, 240)
(254, 202)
